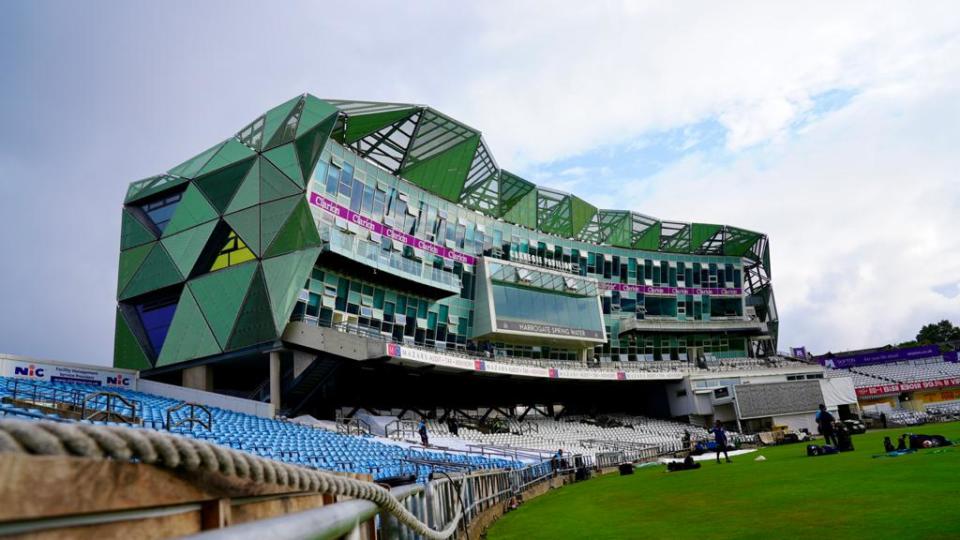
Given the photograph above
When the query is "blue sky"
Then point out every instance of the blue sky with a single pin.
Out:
(834, 135)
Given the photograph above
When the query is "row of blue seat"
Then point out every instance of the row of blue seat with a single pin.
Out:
(282, 440)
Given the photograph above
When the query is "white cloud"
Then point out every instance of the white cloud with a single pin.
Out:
(860, 208)
(549, 83)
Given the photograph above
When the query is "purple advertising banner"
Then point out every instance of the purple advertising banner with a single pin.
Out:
(343, 212)
(950, 356)
(647, 289)
(880, 357)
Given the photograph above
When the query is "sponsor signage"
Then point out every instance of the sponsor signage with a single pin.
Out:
(950, 356)
(896, 388)
(504, 368)
(343, 212)
(548, 329)
(671, 291)
(880, 357)
(38, 371)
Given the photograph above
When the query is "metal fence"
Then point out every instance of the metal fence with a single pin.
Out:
(436, 504)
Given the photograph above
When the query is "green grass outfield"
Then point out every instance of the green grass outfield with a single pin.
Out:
(849, 495)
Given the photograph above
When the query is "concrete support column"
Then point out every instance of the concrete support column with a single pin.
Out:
(275, 381)
(198, 378)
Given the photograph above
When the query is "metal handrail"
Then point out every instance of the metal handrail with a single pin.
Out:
(191, 417)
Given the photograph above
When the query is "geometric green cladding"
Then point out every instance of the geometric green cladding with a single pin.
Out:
(310, 144)
(128, 353)
(275, 120)
(189, 336)
(192, 166)
(220, 186)
(274, 184)
(193, 210)
(299, 232)
(314, 112)
(133, 232)
(130, 261)
(274, 215)
(254, 321)
(248, 194)
(231, 152)
(252, 185)
(156, 272)
(185, 247)
(246, 224)
(285, 159)
(445, 173)
(285, 277)
(701, 232)
(581, 214)
(360, 126)
(220, 295)
(523, 211)
(649, 239)
(739, 241)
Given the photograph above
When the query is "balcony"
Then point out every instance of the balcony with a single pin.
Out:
(671, 324)
(438, 282)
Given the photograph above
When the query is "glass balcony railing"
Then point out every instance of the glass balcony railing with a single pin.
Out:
(392, 261)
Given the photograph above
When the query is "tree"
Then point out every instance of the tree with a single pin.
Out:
(938, 333)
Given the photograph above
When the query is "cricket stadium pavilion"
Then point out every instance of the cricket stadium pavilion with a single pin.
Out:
(334, 245)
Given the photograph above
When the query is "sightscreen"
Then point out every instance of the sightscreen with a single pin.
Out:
(773, 399)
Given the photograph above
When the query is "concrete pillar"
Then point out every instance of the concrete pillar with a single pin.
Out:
(198, 378)
(301, 361)
(275, 381)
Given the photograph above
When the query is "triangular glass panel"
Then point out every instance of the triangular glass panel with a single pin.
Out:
(285, 158)
(220, 186)
(285, 277)
(314, 112)
(274, 184)
(275, 118)
(246, 223)
(273, 215)
(231, 152)
(185, 247)
(190, 168)
(127, 352)
(130, 261)
(310, 145)
(156, 272)
(161, 209)
(154, 315)
(189, 336)
(233, 252)
(255, 321)
(249, 192)
(133, 232)
(192, 210)
(220, 294)
(288, 130)
(298, 232)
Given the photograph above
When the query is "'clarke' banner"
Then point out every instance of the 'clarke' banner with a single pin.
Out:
(343, 212)
(673, 291)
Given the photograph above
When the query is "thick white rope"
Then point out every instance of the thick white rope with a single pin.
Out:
(193, 455)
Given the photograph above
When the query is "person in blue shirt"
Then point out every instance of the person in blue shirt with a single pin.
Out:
(422, 430)
(720, 437)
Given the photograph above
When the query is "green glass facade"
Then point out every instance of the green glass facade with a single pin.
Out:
(379, 215)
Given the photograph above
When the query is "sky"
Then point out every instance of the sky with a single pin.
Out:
(831, 127)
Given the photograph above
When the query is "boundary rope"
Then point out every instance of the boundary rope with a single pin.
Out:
(192, 455)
